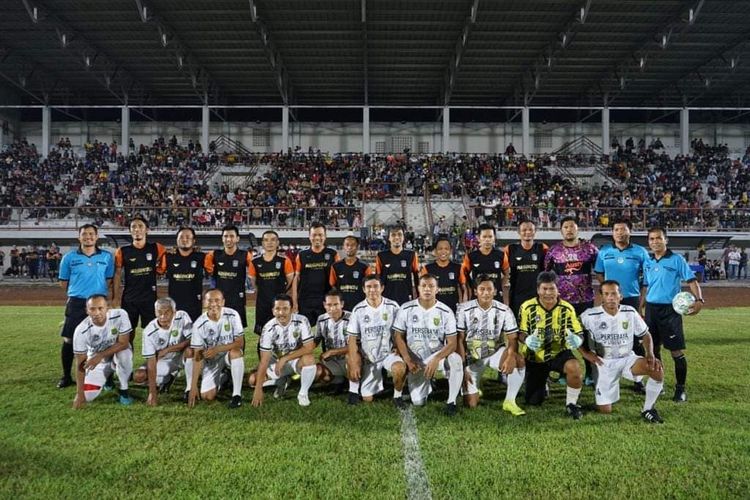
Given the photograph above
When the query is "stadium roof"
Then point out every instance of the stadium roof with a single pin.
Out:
(377, 52)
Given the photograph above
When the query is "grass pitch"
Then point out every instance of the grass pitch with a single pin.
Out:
(332, 450)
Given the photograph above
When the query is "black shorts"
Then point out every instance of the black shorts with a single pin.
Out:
(143, 310)
(75, 312)
(193, 310)
(665, 326)
(239, 306)
(263, 314)
(311, 312)
(537, 373)
(634, 302)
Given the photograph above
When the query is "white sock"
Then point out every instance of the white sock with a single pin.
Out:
(308, 377)
(653, 389)
(455, 377)
(124, 362)
(571, 396)
(397, 393)
(354, 387)
(188, 373)
(515, 381)
(238, 371)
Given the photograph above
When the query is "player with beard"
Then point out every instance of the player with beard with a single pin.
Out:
(184, 273)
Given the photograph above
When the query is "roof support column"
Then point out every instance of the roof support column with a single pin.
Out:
(605, 130)
(46, 129)
(366, 130)
(125, 130)
(446, 128)
(284, 129)
(684, 131)
(525, 128)
(205, 122)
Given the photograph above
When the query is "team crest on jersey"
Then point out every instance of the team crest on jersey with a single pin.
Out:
(162, 342)
(534, 257)
(95, 338)
(415, 319)
(295, 333)
(174, 333)
(387, 265)
(355, 274)
(113, 331)
(193, 264)
(436, 320)
(327, 257)
(620, 260)
(475, 320)
(451, 276)
(278, 265)
(366, 319)
(603, 326)
(625, 324)
(385, 316)
(235, 263)
(226, 327)
(497, 264)
(403, 263)
(149, 256)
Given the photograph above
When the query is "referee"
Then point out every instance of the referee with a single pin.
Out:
(84, 272)
(663, 273)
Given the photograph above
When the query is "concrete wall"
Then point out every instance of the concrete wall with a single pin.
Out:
(347, 136)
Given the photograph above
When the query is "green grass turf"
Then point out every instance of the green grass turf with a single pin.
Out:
(332, 450)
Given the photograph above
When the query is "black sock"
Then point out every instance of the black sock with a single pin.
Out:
(680, 370)
(66, 355)
(124, 392)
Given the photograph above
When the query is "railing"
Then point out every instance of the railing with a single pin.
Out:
(214, 217)
(429, 215)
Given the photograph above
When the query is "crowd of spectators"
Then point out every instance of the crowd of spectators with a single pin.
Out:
(704, 189)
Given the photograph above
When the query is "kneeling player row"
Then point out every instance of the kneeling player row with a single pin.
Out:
(411, 342)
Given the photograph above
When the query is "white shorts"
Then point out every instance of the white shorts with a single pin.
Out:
(94, 381)
(169, 365)
(608, 382)
(477, 368)
(371, 381)
(419, 386)
(212, 369)
(336, 365)
(290, 368)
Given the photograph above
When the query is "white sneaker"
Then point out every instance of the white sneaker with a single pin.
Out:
(303, 399)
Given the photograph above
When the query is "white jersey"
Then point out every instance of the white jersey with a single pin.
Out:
(485, 328)
(372, 326)
(425, 329)
(156, 338)
(91, 339)
(283, 339)
(332, 333)
(613, 335)
(208, 333)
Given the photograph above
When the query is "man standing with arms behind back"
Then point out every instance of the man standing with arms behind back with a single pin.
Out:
(485, 260)
(313, 270)
(526, 261)
(84, 272)
(398, 268)
(228, 267)
(184, 271)
(348, 274)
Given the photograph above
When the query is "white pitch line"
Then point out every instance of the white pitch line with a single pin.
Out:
(417, 482)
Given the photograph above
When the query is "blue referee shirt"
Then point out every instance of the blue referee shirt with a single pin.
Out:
(87, 276)
(624, 266)
(664, 277)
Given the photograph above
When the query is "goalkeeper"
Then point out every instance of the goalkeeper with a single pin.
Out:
(550, 331)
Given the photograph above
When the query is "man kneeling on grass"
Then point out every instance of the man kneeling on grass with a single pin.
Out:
(483, 323)
(166, 341)
(101, 343)
(425, 334)
(217, 341)
(286, 347)
(612, 327)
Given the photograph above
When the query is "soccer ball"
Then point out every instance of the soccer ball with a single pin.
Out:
(682, 302)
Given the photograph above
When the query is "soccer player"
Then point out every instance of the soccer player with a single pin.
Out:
(184, 272)
(229, 267)
(451, 281)
(138, 263)
(166, 348)
(286, 347)
(573, 261)
(483, 325)
(371, 346)
(84, 272)
(663, 273)
(425, 335)
(348, 274)
(550, 331)
(398, 268)
(330, 330)
(271, 275)
(485, 260)
(313, 269)
(101, 343)
(525, 262)
(611, 327)
(217, 340)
